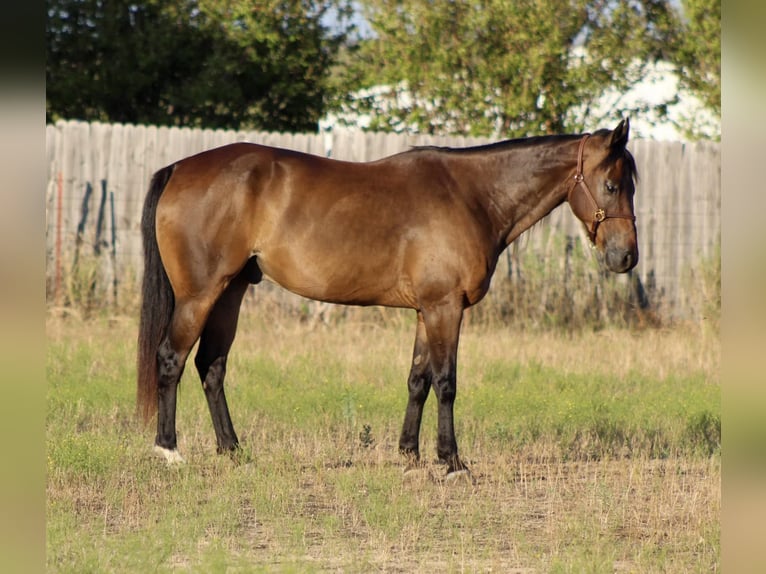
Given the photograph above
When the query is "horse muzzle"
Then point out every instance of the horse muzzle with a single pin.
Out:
(620, 259)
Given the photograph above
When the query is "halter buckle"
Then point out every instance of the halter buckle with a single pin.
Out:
(599, 215)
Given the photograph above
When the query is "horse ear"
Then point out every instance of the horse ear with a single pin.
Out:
(620, 134)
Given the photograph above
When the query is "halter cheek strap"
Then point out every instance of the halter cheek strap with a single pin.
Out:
(599, 214)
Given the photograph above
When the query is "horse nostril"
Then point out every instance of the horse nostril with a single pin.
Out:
(620, 260)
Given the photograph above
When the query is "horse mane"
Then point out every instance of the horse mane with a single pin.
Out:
(532, 141)
(500, 145)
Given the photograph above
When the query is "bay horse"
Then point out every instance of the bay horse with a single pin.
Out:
(422, 229)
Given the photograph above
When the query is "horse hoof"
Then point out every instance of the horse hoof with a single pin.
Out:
(462, 476)
(171, 456)
(416, 474)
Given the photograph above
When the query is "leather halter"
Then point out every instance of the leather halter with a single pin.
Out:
(599, 214)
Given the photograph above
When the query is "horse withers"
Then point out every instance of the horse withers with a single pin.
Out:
(422, 229)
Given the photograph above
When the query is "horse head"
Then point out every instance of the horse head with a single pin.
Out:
(601, 195)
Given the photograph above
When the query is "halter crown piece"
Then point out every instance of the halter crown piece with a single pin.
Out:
(599, 214)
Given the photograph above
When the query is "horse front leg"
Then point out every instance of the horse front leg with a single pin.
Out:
(442, 323)
(418, 385)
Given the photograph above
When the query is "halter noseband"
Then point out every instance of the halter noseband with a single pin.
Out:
(599, 214)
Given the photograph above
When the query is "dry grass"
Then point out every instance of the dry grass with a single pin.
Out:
(320, 487)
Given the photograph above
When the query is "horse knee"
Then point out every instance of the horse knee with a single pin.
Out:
(446, 390)
(419, 386)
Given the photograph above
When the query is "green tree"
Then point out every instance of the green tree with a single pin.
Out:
(699, 53)
(493, 67)
(200, 63)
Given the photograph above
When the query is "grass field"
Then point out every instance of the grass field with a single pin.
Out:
(593, 451)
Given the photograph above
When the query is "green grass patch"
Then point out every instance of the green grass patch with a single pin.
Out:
(590, 416)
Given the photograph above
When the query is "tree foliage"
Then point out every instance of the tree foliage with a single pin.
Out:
(475, 67)
(202, 63)
(493, 67)
(699, 52)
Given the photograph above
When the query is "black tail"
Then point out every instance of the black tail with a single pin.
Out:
(157, 301)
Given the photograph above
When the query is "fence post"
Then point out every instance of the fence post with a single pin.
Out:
(59, 210)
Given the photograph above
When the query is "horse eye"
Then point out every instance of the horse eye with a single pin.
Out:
(610, 187)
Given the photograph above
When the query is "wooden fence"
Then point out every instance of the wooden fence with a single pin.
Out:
(98, 175)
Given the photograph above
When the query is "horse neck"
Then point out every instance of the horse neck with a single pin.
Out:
(522, 184)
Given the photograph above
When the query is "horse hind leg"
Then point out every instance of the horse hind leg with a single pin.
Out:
(170, 364)
(215, 343)
(183, 331)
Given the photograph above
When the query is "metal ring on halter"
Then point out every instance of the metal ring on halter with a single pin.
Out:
(599, 215)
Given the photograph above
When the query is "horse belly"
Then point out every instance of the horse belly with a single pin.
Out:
(349, 281)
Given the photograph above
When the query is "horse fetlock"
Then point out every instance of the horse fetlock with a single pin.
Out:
(228, 446)
(409, 450)
(454, 464)
(447, 454)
